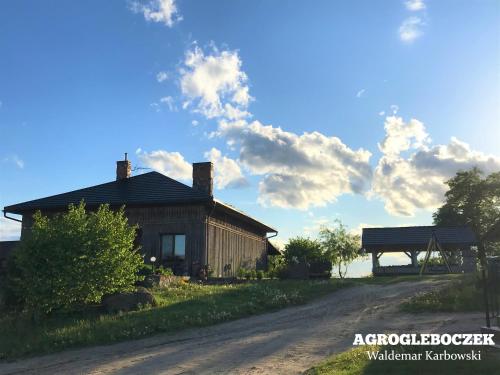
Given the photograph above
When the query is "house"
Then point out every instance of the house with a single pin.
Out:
(413, 240)
(184, 228)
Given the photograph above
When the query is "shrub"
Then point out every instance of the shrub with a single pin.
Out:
(164, 271)
(241, 273)
(303, 250)
(276, 266)
(75, 258)
(260, 274)
(253, 274)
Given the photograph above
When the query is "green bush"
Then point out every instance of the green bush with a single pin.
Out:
(74, 258)
(276, 266)
(164, 271)
(260, 275)
(303, 250)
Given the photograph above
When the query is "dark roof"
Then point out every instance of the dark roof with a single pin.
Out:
(144, 189)
(148, 189)
(271, 249)
(416, 238)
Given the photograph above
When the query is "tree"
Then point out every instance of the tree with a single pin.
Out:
(74, 258)
(303, 250)
(340, 246)
(473, 200)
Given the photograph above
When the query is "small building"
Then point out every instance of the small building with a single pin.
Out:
(414, 240)
(184, 227)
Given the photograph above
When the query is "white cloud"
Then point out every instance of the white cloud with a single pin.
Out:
(407, 184)
(360, 93)
(164, 11)
(381, 113)
(401, 136)
(14, 159)
(169, 102)
(162, 76)
(299, 171)
(10, 230)
(227, 171)
(171, 164)
(411, 29)
(215, 84)
(195, 123)
(394, 109)
(415, 5)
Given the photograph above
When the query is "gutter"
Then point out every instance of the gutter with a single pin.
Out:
(10, 218)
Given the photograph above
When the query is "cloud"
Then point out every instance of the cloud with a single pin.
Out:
(161, 76)
(360, 93)
(415, 5)
(381, 113)
(10, 230)
(401, 136)
(171, 164)
(227, 171)
(169, 102)
(394, 109)
(411, 29)
(406, 184)
(14, 159)
(299, 171)
(163, 11)
(215, 84)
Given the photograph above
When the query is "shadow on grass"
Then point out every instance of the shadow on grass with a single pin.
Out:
(181, 307)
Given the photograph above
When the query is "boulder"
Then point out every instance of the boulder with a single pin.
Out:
(128, 301)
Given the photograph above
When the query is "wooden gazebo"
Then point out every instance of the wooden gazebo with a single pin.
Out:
(413, 240)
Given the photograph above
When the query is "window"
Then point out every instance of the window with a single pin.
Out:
(173, 247)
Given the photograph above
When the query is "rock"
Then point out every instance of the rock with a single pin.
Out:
(128, 301)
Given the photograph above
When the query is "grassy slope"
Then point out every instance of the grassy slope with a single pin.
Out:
(356, 362)
(180, 307)
(461, 295)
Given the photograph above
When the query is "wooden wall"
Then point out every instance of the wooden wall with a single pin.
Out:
(231, 241)
(233, 244)
(188, 220)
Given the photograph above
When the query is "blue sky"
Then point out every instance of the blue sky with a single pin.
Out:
(309, 85)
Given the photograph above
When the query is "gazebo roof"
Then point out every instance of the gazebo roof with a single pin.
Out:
(398, 239)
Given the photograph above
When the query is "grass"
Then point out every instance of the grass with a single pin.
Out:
(356, 362)
(179, 307)
(462, 295)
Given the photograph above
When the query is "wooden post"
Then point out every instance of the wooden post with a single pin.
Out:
(375, 262)
(414, 260)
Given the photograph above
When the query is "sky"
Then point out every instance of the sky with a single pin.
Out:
(312, 112)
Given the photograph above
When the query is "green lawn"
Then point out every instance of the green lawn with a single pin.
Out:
(356, 362)
(461, 295)
(179, 307)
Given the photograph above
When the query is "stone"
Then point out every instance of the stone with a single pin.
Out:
(128, 301)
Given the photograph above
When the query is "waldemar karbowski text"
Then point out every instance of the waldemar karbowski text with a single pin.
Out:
(428, 355)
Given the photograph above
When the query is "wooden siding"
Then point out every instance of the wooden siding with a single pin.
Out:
(186, 220)
(233, 244)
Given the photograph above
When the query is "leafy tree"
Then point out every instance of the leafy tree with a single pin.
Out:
(473, 200)
(75, 258)
(303, 250)
(340, 246)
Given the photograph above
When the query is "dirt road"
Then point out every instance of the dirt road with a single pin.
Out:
(284, 342)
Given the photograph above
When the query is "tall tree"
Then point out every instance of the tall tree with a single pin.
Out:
(340, 246)
(473, 200)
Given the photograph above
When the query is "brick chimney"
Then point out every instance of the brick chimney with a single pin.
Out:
(123, 169)
(203, 177)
